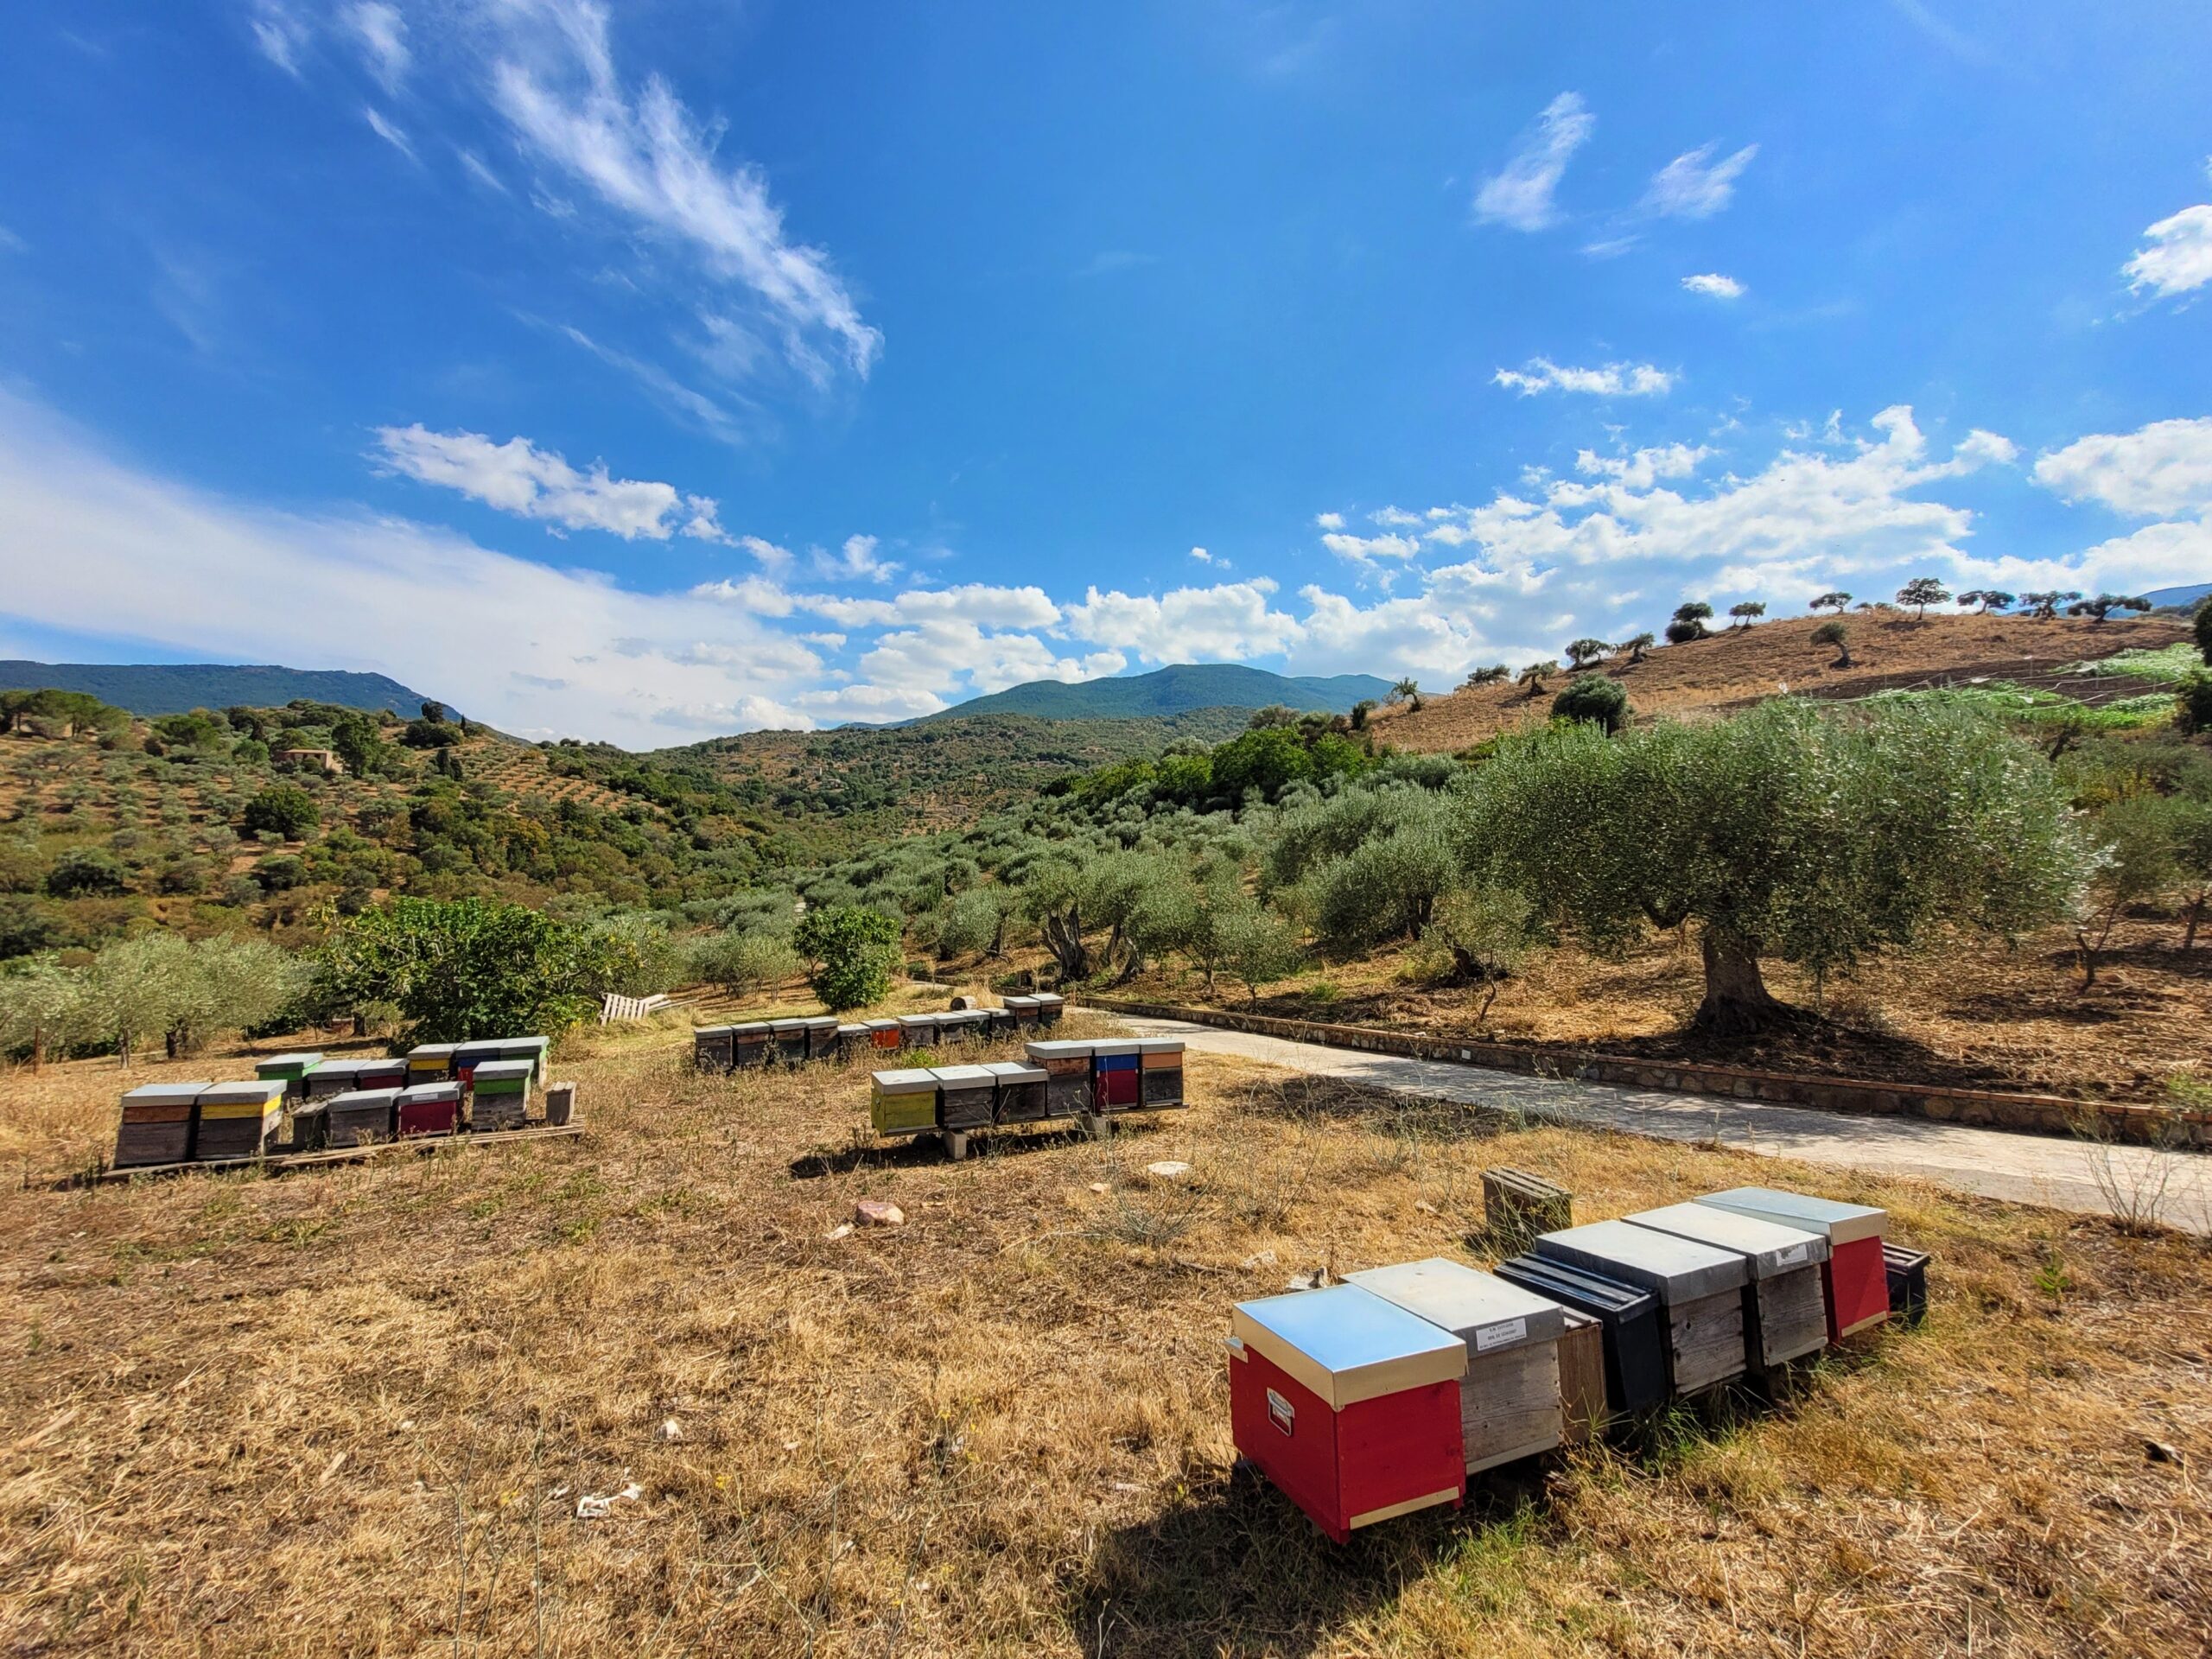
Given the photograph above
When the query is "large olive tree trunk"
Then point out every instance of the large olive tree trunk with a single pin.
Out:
(1736, 1000)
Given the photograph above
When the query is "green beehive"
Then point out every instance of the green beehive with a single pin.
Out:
(532, 1049)
(902, 1102)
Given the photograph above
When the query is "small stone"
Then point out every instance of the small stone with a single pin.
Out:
(1101, 1188)
(670, 1430)
(877, 1213)
(1424, 1207)
(843, 1230)
(1167, 1169)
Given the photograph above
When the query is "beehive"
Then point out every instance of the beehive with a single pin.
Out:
(430, 1063)
(533, 1049)
(821, 1036)
(902, 1102)
(964, 1097)
(1019, 1096)
(236, 1120)
(1635, 1334)
(1160, 1071)
(290, 1070)
(787, 1041)
(434, 1109)
(560, 1102)
(1024, 1010)
(848, 1040)
(1116, 1075)
(1785, 1314)
(387, 1072)
(156, 1124)
(917, 1031)
(331, 1077)
(1908, 1275)
(1581, 1376)
(467, 1057)
(886, 1035)
(366, 1118)
(1700, 1288)
(1348, 1404)
(998, 1022)
(499, 1099)
(1509, 1404)
(1067, 1068)
(311, 1126)
(963, 1024)
(1050, 1005)
(711, 1049)
(751, 1044)
(1855, 1280)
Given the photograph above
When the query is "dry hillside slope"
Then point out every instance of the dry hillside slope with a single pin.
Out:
(1736, 665)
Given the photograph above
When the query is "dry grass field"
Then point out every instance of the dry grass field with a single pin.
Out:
(355, 1411)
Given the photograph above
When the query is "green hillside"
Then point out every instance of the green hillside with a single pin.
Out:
(151, 689)
(1168, 691)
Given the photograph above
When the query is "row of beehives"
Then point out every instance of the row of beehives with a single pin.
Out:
(1058, 1079)
(823, 1037)
(334, 1103)
(1381, 1396)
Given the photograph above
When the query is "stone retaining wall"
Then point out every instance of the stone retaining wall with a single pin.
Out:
(2031, 1114)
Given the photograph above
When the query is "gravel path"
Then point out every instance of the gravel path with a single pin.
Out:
(2041, 1170)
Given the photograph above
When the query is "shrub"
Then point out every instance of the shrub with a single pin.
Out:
(743, 963)
(2204, 628)
(2193, 701)
(1592, 697)
(854, 953)
(86, 871)
(1680, 633)
(280, 873)
(285, 810)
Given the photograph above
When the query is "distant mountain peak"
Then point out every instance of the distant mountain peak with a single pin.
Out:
(1176, 689)
(152, 688)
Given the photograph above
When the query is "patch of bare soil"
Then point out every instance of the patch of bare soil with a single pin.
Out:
(360, 1410)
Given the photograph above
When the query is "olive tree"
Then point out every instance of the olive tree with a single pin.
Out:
(743, 963)
(1837, 634)
(1787, 832)
(41, 1005)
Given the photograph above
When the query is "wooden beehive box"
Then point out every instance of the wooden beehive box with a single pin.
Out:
(236, 1120)
(1024, 1010)
(434, 1109)
(848, 1040)
(1581, 1376)
(821, 1036)
(751, 1044)
(156, 1123)
(964, 1097)
(467, 1057)
(533, 1049)
(886, 1035)
(290, 1070)
(1785, 1312)
(1348, 1404)
(388, 1072)
(1019, 1096)
(1700, 1288)
(787, 1041)
(1855, 1280)
(1510, 1406)
(1633, 1323)
(1160, 1071)
(430, 1063)
(1050, 1005)
(1116, 1075)
(366, 1118)
(500, 1097)
(331, 1077)
(917, 1031)
(902, 1102)
(713, 1049)
(1067, 1067)
(1908, 1277)
(998, 1022)
(1517, 1204)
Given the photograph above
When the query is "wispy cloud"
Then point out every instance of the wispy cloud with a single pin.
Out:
(2175, 257)
(1714, 286)
(1694, 185)
(1520, 195)
(281, 33)
(1609, 380)
(687, 402)
(519, 478)
(385, 130)
(381, 33)
(2162, 470)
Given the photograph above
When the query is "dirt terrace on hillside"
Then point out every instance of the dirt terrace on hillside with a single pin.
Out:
(1736, 665)
(355, 1411)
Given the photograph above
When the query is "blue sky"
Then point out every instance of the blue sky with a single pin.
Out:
(653, 370)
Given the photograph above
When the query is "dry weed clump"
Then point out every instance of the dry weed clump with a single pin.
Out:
(357, 1410)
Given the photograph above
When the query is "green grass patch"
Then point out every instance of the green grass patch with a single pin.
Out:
(2169, 663)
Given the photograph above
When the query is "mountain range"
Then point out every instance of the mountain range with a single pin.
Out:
(151, 689)
(1176, 690)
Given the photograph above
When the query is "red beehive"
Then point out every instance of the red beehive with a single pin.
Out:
(1348, 1404)
(431, 1109)
(1854, 1277)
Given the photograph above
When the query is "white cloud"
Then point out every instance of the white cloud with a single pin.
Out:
(972, 602)
(2176, 258)
(1204, 557)
(1714, 286)
(1521, 195)
(771, 558)
(90, 544)
(519, 478)
(1365, 550)
(1640, 470)
(755, 594)
(281, 33)
(381, 33)
(1694, 185)
(856, 559)
(476, 167)
(385, 130)
(1397, 519)
(2162, 470)
(1225, 623)
(644, 155)
(1329, 520)
(1612, 380)
(687, 402)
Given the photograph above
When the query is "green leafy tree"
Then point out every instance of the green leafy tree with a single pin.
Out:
(1990, 599)
(1491, 675)
(1637, 645)
(974, 925)
(1580, 653)
(1748, 612)
(1836, 632)
(1688, 622)
(744, 963)
(854, 950)
(2044, 606)
(87, 872)
(468, 968)
(1480, 938)
(1922, 592)
(2193, 701)
(2139, 865)
(1533, 678)
(1403, 690)
(2202, 627)
(1594, 698)
(1256, 946)
(2104, 605)
(42, 1004)
(1838, 601)
(26, 927)
(355, 739)
(282, 809)
(1784, 832)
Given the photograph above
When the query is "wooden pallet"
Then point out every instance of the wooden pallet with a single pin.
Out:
(283, 1162)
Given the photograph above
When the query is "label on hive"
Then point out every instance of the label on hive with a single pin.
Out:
(1282, 1412)
(1493, 1336)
